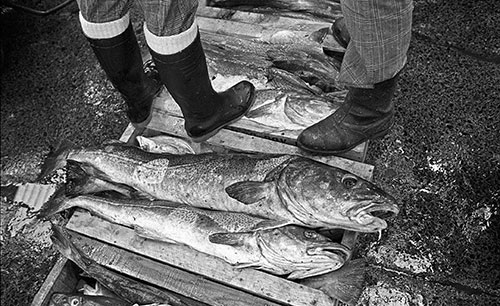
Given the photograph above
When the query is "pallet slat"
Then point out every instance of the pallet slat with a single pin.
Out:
(163, 122)
(60, 279)
(259, 283)
(165, 276)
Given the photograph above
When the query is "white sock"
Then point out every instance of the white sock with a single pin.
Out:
(171, 44)
(106, 29)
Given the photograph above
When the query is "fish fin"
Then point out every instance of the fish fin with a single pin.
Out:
(232, 239)
(266, 109)
(54, 204)
(301, 274)
(250, 192)
(270, 224)
(56, 159)
(80, 182)
(60, 239)
(345, 284)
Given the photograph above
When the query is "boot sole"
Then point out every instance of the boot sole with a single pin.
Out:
(333, 152)
(212, 133)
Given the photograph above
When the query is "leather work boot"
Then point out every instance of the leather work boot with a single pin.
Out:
(205, 111)
(121, 59)
(340, 33)
(341, 36)
(365, 114)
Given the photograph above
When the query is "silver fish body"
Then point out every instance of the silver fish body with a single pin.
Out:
(295, 189)
(233, 237)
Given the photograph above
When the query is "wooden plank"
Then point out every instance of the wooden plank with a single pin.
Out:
(165, 276)
(61, 278)
(129, 130)
(171, 125)
(259, 283)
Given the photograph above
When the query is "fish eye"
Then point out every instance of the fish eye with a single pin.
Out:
(349, 181)
(310, 234)
(74, 302)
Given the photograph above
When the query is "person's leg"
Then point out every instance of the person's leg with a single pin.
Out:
(379, 35)
(109, 31)
(174, 41)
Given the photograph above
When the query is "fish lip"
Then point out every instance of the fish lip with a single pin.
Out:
(333, 251)
(370, 215)
(372, 206)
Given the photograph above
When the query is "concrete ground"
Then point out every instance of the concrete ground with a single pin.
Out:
(441, 161)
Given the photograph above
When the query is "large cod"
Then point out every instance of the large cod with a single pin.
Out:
(288, 188)
(290, 250)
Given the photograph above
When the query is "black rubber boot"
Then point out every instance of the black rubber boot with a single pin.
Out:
(365, 114)
(205, 111)
(121, 59)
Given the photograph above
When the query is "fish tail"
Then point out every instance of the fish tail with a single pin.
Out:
(56, 203)
(345, 284)
(78, 181)
(62, 243)
(56, 158)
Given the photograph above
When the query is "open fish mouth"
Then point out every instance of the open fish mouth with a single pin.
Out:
(373, 214)
(337, 252)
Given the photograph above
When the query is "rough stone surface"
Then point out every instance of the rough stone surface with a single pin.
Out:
(441, 160)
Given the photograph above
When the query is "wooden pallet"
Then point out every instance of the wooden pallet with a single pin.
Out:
(178, 268)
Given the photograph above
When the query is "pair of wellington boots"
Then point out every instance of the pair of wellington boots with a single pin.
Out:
(185, 76)
(367, 113)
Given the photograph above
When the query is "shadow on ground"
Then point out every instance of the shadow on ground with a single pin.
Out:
(442, 159)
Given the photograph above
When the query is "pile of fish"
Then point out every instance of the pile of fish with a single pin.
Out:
(305, 9)
(296, 82)
(251, 210)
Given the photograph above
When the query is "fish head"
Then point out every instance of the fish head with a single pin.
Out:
(301, 251)
(64, 299)
(323, 196)
(77, 299)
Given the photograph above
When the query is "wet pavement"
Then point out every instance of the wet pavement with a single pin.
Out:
(441, 161)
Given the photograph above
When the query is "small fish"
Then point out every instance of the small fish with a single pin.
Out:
(290, 111)
(77, 299)
(164, 144)
(313, 68)
(288, 81)
(327, 10)
(289, 188)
